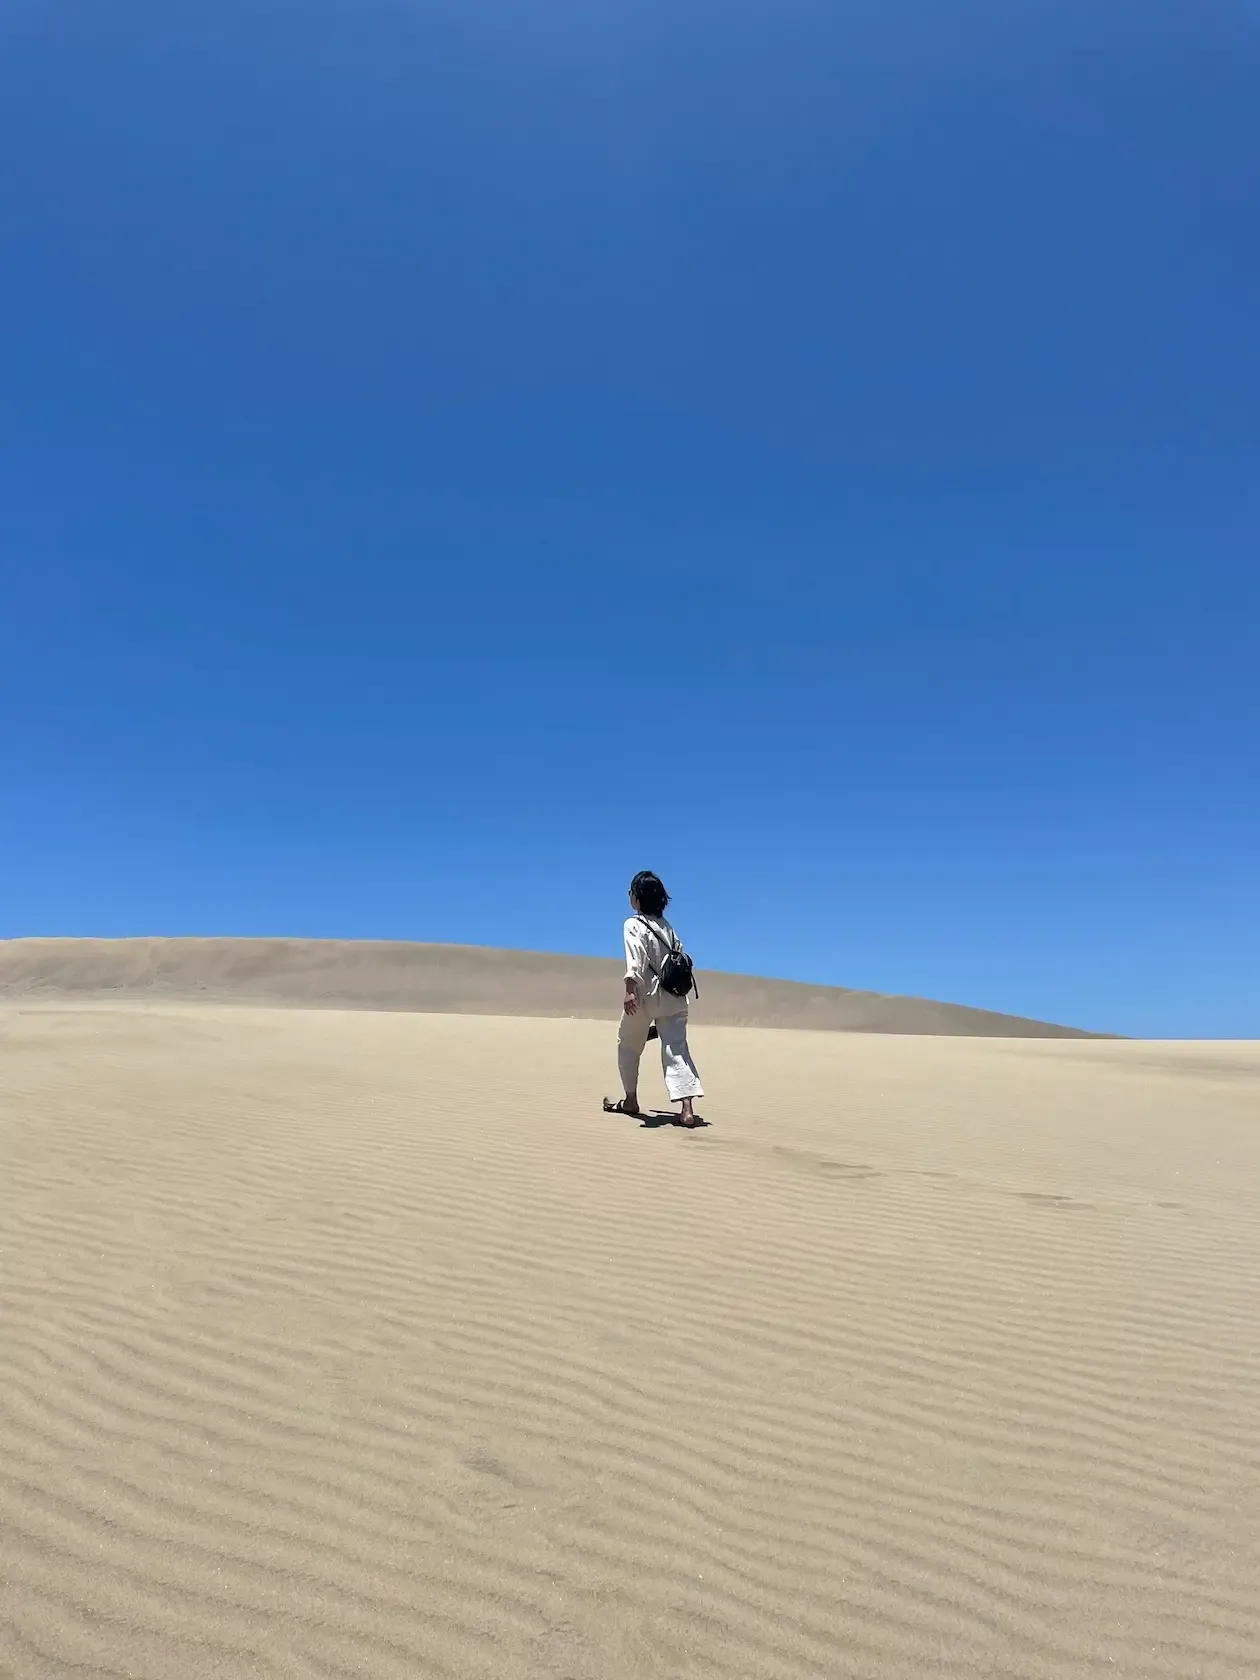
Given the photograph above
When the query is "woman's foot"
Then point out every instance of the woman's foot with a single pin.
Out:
(689, 1117)
(625, 1105)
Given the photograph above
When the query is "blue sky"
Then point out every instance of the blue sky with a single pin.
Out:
(451, 457)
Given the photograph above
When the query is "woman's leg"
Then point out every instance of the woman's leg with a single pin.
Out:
(631, 1038)
(681, 1079)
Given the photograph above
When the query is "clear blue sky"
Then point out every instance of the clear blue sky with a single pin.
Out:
(454, 455)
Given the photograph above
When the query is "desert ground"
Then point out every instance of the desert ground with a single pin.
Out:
(361, 1343)
(448, 979)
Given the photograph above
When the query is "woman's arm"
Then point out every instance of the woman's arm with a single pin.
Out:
(636, 965)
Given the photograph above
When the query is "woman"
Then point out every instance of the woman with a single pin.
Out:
(648, 1011)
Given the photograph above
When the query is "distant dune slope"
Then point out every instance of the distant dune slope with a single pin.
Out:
(451, 979)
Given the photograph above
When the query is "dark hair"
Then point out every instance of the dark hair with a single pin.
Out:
(650, 891)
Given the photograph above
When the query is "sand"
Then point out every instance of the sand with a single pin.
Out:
(455, 979)
(349, 1343)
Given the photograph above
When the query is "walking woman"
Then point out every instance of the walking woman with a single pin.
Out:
(651, 1010)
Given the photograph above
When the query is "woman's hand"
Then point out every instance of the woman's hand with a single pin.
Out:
(630, 1003)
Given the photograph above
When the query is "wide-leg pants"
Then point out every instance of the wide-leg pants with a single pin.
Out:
(681, 1078)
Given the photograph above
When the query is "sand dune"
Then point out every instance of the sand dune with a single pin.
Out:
(449, 979)
(362, 1344)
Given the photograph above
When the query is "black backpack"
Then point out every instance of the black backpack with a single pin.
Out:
(676, 974)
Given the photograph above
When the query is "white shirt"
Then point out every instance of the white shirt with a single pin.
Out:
(645, 953)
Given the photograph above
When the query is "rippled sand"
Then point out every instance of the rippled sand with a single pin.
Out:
(364, 1344)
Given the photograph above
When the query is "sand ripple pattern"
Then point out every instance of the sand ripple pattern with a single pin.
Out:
(342, 1344)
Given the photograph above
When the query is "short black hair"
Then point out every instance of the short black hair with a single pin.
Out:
(650, 891)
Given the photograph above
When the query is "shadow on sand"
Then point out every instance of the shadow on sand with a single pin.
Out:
(649, 1121)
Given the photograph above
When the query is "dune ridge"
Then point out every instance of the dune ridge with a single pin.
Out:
(451, 979)
(362, 1344)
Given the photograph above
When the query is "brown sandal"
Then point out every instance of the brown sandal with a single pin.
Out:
(619, 1107)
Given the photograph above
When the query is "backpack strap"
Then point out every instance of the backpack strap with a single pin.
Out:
(675, 948)
(670, 945)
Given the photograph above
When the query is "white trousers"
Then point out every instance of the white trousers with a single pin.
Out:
(681, 1078)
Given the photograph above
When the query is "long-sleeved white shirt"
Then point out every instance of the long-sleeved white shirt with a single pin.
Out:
(645, 953)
